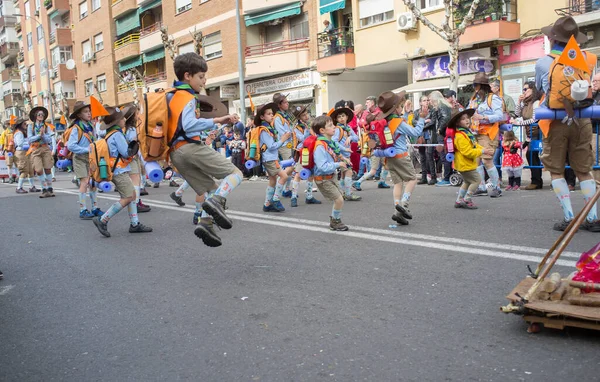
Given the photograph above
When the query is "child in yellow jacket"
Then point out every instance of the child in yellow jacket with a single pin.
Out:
(466, 152)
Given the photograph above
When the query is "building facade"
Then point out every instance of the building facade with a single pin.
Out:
(12, 95)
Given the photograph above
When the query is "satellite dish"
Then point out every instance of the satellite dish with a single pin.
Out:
(70, 64)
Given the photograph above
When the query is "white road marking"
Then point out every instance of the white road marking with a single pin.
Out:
(442, 243)
(4, 290)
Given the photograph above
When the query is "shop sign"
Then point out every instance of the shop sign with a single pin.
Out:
(272, 85)
(518, 68)
(437, 67)
(294, 95)
(229, 91)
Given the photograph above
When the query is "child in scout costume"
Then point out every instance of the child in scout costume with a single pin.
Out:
(269, 143)
(7, 145)
(120, 158)
(80, 137)
(38, 134)
(486, 127)
(301, 132)
(375, 162)
(466, 152)
(198, 163)
(561, 139)
(326, 156)
(53, 147)
(283, 124)
(22, 160)
(400, 167)
(131, 122)
(344, 135)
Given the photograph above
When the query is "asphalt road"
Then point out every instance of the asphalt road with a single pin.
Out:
(284, 299)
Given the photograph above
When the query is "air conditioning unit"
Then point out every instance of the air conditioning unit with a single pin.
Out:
(94, 56)
(86, 57)
(53, 74)
(406, 22)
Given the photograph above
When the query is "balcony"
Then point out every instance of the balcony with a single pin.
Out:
(494, 20)
(9, 74)
(61, 37)
(585, 12)
(150, 37)
(277, 57)
(20, 57)
(125, 91)
(13, 99)
(18, 28)
(158, 77)
(127, 47)
(61, 6)
(9, 50)
(7, 21)
(336, 50)
(61, 73)
(120, 7)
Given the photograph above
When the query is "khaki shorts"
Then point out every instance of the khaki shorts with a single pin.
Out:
(401, 169)
(42, 159)
(200, 164)
(470, 177)
(135, 165)
(574, 140)
(23, 164)
(9, 160)
(329, 189)
(124, 185)
(285, 152)
(487, 143)
(376, 161)
(298, 167)
(81, 165)
(272, 167)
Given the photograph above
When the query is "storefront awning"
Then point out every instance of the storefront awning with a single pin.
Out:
(154, 55)
(131, 63)
(128, 22)
(326, 6)
(438, 83)
(150, 5)
(271, 14)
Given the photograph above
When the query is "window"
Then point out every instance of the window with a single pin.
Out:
(426, 4)
(299, 27)
(40, 34)
(34, 100)
(29, 41)
(101, 83)
(43, 67)
(98, 42)
(86, 48)
(89, 87)
(61, 55)
(212, 46)
(273, 33)
(182, 5)
(373, 12)
(27, 9)
(95, 5)
(186, 48)
(32, 72)
(83, 10)
(37, 5)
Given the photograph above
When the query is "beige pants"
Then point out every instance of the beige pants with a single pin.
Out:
(42, 159)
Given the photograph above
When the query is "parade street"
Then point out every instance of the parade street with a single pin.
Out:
(284, 298)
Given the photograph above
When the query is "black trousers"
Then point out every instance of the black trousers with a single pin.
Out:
(533, 158)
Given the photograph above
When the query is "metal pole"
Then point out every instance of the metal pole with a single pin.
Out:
(241, 70)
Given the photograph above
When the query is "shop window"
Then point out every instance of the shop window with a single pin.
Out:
(375, 12)
(299, 27)
(213, 48)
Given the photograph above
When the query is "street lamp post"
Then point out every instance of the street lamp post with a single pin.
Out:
(241, 70)
(46, 44)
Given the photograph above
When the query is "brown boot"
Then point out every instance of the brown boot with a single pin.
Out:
(45, 194)
(532, 186)
(337, 225)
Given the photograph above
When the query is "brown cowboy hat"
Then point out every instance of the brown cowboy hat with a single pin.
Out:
(345, 110)
(211, 107)
(34, 112)
(79, 105)
(129, 112)
(389, 101)
(455, 117)
(299, 110)
(19, 122)
(279, 98)
(261, 111)
(481, 78)
(114, 115)
(563, 29)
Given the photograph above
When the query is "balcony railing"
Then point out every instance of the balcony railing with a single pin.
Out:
(52, 38)
(488, 10)
(336, 41)
(9, 48)
(151, 28)
(277, 47)
(579, 7)
(128, 86)
(18, 27)
(158, 77)
(134, 37)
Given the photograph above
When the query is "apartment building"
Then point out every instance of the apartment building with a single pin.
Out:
(12, 96)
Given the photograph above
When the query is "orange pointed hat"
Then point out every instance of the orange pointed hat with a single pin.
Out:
(97, 109)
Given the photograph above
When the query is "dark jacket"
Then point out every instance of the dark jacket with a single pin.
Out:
(428, 126)
(442, 117)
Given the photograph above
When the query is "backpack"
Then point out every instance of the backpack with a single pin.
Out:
(381, 134)
(157, 108)
(67, 135)
(102, 165)
(308, 149)
(560, 78)
(10, 141)
(254, 147)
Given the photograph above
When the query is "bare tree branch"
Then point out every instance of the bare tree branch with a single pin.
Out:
(461, 28)
(413, 8)
(447, 16)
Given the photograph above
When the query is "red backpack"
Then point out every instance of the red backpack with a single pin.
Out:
(381, 135)
(308, 159)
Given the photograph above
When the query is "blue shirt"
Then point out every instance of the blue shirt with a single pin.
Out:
(284, 127)
(325, 163)
(20, 140)
(494, 113)
(33, 133)
(268, 140)
(117, 144)
(401, 144)
(300, 137)
(346, 151)
(131, 134)
(542, 68)
(78, 142)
